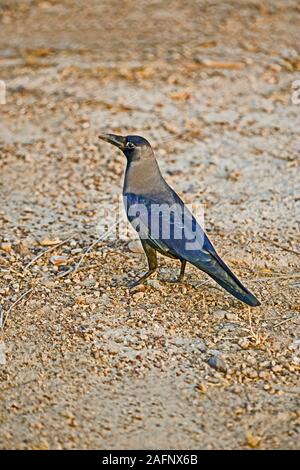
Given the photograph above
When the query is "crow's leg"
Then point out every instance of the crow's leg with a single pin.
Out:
(181, 275)
(152, 263)
(182, 269)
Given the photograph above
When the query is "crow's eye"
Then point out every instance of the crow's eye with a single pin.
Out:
(130, 145)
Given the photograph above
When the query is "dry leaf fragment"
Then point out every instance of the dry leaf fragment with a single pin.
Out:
(171, 129)
(208, 44)
(58, 260)
(81, 205)
(49, 242)
(223, 65)
(252, 441)
(5, 246)
(200, 387)
(180, 96)
(40, 52)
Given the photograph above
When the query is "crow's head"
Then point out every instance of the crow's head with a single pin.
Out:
(133, 146)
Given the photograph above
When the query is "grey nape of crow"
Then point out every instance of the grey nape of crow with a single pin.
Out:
(144, 186)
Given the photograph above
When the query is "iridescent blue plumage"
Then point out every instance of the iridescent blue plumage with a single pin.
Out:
(202, 255)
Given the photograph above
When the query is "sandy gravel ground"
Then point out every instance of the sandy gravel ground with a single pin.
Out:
(84, 362)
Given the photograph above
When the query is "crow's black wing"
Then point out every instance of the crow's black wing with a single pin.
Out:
(174, 231)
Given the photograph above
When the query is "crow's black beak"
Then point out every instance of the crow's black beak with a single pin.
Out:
(113, 139)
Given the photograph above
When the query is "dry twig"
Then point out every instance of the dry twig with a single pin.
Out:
(77, 266)
(284, 248)
(283, 321)
(274, 278)
(14, 304)
(46, 251)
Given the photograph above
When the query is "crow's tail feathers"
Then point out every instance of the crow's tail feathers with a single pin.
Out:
(226, 279)
(238, 291)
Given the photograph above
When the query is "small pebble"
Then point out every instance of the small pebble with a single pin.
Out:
(138, 295)
(231, 317)
(244, 343)
(6, 247)
(217, 363)
(219, 315)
